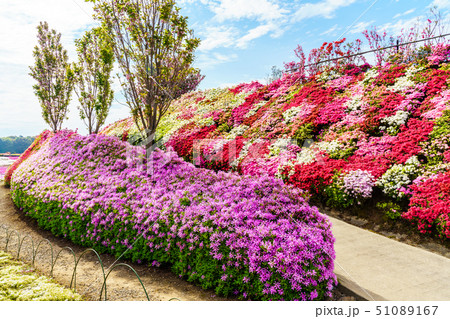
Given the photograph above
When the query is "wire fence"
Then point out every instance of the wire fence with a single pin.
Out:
(397, 46)
(13, 238)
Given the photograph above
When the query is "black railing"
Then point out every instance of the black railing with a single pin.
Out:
(397, 45)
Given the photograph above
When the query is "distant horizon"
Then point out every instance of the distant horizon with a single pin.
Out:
(19, 136)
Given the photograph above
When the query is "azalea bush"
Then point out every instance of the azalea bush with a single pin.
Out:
(429, 204)
(345, 119)
(399, 176)
(350, 188)
(252, 237)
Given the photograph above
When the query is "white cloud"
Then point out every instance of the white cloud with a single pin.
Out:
(183, 2)
(255, 33)
(325, 9)
(398, 15)
(441, 4)
(262, 10)
(19, 19)
(270, 20)
(209, 61)
(330, 30)
(397, 27)
(217, 36)
(361, 26)
(419, 21)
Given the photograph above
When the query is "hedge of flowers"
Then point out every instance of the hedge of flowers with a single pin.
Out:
(339, 137)
(252, 237)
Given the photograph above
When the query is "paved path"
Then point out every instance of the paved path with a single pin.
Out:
(378, 268)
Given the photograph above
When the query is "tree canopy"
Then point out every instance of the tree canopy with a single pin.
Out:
(155, 50)
(93, 77)
(53, 75)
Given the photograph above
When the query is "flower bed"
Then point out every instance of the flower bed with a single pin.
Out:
(369, 120)
(252, 237)
(5, 162)
(3, 170)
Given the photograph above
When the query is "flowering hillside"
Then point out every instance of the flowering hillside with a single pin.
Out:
(249, 236)
(30, 150)
(341, 135)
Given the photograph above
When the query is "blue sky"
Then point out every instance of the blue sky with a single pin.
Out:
(241, 41)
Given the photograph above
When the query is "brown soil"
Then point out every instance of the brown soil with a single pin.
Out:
(160, 283)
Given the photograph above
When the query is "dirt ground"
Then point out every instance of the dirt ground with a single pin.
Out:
(161, 284)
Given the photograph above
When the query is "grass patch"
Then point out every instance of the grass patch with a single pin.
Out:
(19, 282)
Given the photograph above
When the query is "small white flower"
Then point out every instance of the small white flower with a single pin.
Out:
(405, 82)
(255, 109)
(288, 115)
(399, 176)
(237, 131)
(307, 155)
(278, 146)
(329, 147)
(370, 75)
(394, 121)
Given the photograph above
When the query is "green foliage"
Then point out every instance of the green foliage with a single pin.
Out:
(390, 209)
(304, 133)
(336, 196)
(185, 201)
(225, 128)
(438, 142)
(54, 76)
(137, 139)
(15, 144)
(343, 153)
(442, 126)
(93, 77)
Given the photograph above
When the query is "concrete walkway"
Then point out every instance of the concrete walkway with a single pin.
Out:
(378, 268)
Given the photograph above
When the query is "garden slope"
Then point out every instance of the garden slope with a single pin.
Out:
(251, 237)
(383, 130)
